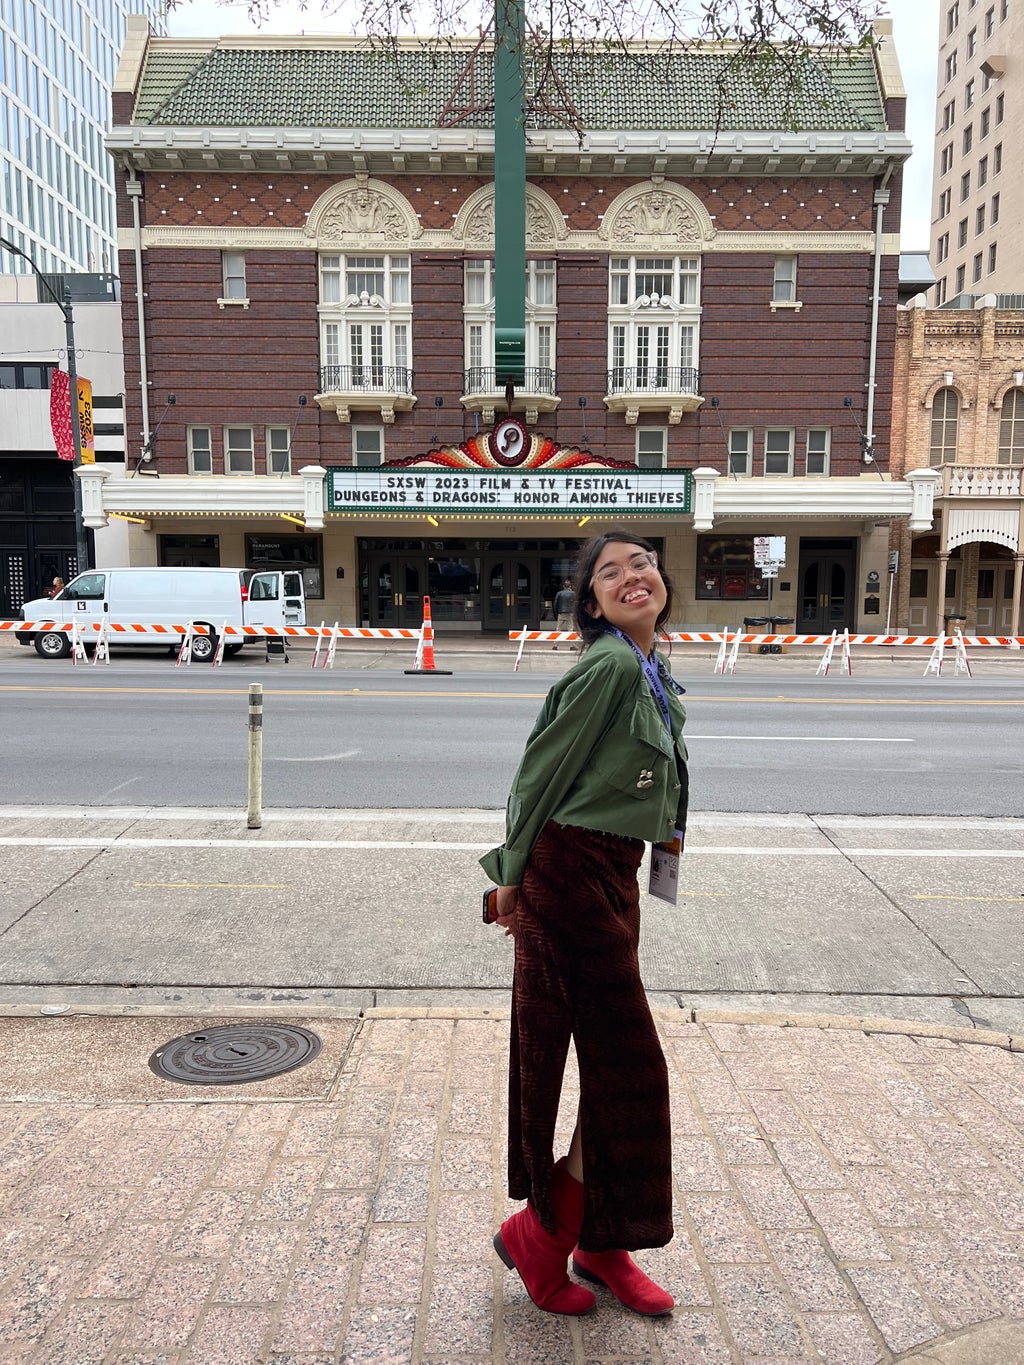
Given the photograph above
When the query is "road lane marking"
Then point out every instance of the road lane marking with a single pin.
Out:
(416, 694)
(806, 739)
(314, 758)
(451, 846)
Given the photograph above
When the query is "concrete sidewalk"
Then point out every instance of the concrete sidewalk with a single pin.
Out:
(845, 1193)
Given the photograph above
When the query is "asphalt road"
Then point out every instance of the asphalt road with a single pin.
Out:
(141, 732)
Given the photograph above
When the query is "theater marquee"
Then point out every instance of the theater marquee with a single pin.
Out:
(507, 472)
(499, 493)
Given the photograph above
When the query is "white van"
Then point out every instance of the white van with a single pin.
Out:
(166, 597)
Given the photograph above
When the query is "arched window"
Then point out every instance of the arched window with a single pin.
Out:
(945, 418)
(1011, 428)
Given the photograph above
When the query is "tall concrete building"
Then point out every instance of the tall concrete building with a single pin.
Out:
(977, 237)
(58, 59)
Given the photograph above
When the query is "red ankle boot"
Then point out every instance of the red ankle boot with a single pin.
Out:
(619, 1272)
(540, 1257)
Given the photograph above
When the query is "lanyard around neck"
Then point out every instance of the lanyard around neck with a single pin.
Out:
(650, 672)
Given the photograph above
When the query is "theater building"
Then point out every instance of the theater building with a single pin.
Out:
(306, 252)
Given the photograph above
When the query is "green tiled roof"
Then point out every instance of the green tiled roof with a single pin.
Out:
(343, 87)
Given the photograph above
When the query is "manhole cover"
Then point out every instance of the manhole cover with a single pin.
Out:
(232, 1054)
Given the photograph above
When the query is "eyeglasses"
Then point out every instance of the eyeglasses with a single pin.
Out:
(613, 574)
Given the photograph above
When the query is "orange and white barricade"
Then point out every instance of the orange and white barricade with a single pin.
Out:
(726, 660)
(102, 651)
(77, 643)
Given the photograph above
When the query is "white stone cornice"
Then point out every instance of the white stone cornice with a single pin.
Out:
(256, 494)
(551, 150)
(201, 238)
(820, 499)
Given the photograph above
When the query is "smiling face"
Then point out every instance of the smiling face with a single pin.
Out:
(628, 591)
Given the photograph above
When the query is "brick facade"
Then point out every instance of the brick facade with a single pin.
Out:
(977, 354)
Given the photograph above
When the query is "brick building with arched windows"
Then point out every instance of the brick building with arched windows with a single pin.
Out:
(958, 408)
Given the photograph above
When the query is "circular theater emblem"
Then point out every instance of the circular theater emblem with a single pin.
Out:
(509, 442)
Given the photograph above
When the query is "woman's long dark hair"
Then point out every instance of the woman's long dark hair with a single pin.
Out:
(588, 627)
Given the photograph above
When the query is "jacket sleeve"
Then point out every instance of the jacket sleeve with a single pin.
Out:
(556, 753)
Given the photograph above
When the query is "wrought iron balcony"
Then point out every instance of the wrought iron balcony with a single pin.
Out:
(654, 379)
(674, 389)
(383, 388)
(482, 392)
(365, 379)
(484, 379)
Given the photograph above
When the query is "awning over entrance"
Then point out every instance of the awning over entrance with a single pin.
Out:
(559, 495)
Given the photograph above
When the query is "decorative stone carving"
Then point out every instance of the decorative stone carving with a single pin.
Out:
(363, 213)
(657, 215)
(544, 224)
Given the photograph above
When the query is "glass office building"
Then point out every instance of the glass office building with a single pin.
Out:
(57, 65)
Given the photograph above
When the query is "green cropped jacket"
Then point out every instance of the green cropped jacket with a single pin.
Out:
(600, 756)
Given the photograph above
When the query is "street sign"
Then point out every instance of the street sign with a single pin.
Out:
(769, 549)
(894, 560)
(770, 569)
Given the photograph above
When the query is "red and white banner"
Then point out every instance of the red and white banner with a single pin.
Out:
(60, 415)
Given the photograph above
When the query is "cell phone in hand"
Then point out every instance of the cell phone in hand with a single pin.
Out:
(490, 905)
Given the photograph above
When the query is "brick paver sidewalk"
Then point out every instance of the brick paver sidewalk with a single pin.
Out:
(841, 1196)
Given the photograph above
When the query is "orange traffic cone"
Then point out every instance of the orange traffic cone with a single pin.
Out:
(425, 653)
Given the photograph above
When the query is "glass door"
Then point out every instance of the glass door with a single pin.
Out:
(396, 591)
(509, 589)
(826, 586)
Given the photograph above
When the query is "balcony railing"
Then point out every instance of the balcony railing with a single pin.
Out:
(386, 389)
(484, 379)
(982, 481)
(365, 379)
(654, 379)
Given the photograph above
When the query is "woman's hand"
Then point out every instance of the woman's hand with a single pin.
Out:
(508, 906)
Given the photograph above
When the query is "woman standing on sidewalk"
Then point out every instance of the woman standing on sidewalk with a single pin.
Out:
(603, 771)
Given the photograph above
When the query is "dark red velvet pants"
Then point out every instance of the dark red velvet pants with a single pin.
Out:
(577, 975)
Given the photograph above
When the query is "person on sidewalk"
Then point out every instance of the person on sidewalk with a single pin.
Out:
(565, 600)
(603, 771)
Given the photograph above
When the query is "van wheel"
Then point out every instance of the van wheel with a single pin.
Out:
(52, 644)
(204, 647)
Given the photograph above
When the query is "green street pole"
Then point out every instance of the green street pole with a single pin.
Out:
(509, 193)
(65, 306)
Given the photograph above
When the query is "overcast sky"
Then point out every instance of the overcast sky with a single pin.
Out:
(915, 31)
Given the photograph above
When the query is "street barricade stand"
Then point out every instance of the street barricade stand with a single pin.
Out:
(729, 643)
(181, 639)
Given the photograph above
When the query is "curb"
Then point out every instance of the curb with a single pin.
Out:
(860, 1023)
(854, 1023)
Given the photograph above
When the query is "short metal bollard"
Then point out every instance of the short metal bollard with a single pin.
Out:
(255, 820)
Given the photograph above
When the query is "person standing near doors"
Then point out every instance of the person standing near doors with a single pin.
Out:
(565, 600)
(603, 771)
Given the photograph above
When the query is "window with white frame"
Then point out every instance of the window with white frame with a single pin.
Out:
(232, 264)
(239, 456)
(741, 452)
(1011, 429)
(200, 451)
(819, 449)
(366, 322)
(945, 421)
(367, 445)
(784, 280)
(654, 316)
(478, 313)
(651, 447)
(778, 452)
(279, 450)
